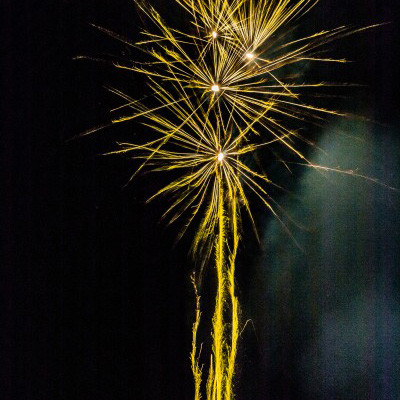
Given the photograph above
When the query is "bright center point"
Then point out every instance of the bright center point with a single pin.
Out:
(250, 56)
(215, 88)
(221, 156)
(214, 34)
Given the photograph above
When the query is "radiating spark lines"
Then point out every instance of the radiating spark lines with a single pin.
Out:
(218, 94)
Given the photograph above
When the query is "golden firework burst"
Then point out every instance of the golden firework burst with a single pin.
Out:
(217, 95)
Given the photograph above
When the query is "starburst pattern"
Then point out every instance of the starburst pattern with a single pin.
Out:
(218, 93)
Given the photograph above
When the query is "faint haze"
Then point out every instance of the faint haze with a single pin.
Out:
(327, 317)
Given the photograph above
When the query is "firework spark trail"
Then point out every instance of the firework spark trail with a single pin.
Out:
(232, 350)
(217, 95)
(218, 320)
(194, 355)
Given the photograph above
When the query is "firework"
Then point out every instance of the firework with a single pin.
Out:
(218, 94)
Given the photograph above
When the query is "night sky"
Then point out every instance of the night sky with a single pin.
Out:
(96, 300)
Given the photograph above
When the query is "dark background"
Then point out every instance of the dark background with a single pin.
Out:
(96, 301)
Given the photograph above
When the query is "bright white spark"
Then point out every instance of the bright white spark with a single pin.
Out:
(221, 156)
(250, 56)
(214, 34)
(215, 88)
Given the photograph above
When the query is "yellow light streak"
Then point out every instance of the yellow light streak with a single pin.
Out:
(204, 137)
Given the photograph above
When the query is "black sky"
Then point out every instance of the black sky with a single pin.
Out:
(96, 301)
